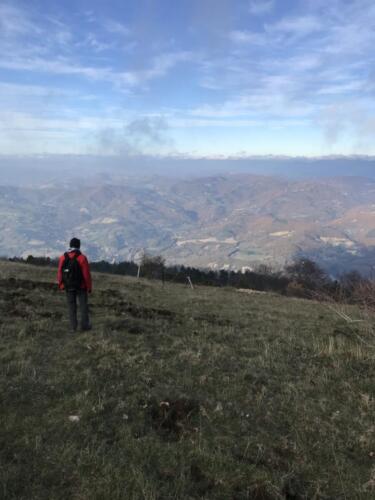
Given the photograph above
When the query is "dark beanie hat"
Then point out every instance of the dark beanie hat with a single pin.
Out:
(75, 243)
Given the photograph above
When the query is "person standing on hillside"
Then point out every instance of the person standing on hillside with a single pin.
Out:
(74, 277)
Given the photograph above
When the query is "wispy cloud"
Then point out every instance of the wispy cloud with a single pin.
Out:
(114, 27)
(351, 121)
(137, 136)
(214, 66)
(247, 37)
(14, 21)
(67, 52)
(159, 67)
(260, 7)
(59, 66)
(299, 26)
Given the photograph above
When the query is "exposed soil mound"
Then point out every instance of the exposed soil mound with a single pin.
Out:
(15, 283)
(173, 418)
(201, 482)
(254, 492)
(129, 326)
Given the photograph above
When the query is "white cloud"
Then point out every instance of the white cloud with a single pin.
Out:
(225, 121)
(268, 103)
(341, 88)
(247, 37)
(298, 26)
(50, 47)
(142, 135)
(14, 21)
(92, 41)
(114, 27)
(261, 7)
(21, 121)
(18, 91)
(159, 67)
(352, 120)
(59, 66)
(42, 99)
(297, 68)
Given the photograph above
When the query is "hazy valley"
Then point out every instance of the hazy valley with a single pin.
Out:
(235, 221)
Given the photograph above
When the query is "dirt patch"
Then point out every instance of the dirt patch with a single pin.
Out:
(52, 314)
(250, 291)
(128, 325)
(15, 312)
(202, 484)
(213, 320)
(142, 312)
(14, 284)
(173, 418)
(293, 489)
(255, 492)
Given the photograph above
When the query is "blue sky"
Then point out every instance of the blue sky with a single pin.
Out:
(187, 77)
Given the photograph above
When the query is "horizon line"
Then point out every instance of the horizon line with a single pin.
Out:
(182, 156)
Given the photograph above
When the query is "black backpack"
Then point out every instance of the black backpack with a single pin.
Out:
(72, 272)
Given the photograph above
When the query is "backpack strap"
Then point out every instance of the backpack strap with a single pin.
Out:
(77, 253)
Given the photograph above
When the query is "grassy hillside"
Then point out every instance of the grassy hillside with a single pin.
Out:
(180, 393)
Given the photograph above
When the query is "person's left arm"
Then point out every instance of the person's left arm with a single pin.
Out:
(86, 273)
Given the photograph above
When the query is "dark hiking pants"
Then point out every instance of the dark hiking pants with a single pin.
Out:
(83, 308)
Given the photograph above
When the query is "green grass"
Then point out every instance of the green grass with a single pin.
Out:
(180, 393)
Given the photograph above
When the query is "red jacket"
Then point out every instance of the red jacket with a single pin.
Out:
(83, 262)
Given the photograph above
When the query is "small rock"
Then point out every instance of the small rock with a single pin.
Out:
(73, 418)
(219, 407)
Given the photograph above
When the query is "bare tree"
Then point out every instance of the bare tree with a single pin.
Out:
(152, 266)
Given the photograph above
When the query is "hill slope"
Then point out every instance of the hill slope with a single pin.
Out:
(179, 393)
(233, 220)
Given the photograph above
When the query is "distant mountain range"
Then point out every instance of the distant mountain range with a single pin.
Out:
(232, 221)
(34, 170)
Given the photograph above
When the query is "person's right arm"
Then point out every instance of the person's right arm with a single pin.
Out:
(59, 273)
